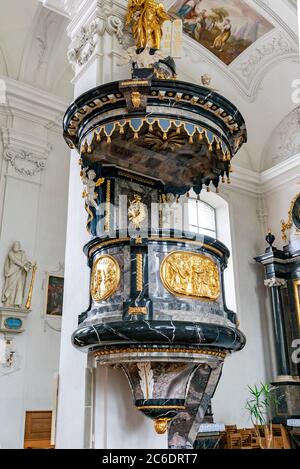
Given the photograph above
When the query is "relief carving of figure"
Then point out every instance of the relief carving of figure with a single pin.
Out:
(15, 271)
(136, 211)
(191, 274)
(105, 278)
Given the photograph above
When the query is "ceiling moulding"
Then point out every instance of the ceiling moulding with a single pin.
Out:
(33, 104)
(247, 72)
(62, 7)
(280, 175)
(273, 10)
(293, 3)
(43, 56)
(252, 66)
(268, 181)
(284, 141)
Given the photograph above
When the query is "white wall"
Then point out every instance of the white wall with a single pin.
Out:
(278, 204)
(34, 212)
(248, 366)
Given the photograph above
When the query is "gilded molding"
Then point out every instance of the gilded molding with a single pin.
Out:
(188, 241)
(215, 353)
(296, 284)
(107, 243)
(139, 272)
(137, 310)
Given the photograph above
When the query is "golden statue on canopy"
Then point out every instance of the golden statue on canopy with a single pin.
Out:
(146, 18)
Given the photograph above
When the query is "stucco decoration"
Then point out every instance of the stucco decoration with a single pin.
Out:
(84, 45)
(24, 162)
(284, 141)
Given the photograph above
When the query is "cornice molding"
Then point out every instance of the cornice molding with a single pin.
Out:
(266, 182)
(280, 175)
(61, 7)
(31, 103)
(26, 152)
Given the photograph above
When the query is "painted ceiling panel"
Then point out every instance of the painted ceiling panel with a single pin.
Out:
(225, 27)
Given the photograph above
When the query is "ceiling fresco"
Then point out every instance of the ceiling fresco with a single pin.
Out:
(224, 27)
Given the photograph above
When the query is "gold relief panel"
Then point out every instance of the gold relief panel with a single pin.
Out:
(105, 277)
(190, 274)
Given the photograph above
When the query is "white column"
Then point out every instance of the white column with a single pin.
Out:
(107, 418)
(27, 162)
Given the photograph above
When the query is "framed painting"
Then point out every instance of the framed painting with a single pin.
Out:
(224, 27)
(54, 294)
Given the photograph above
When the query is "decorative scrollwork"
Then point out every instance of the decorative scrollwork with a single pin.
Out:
(85, 43)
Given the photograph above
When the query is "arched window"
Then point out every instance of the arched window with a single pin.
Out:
(202, 218)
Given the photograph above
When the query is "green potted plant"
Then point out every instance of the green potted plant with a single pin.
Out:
(258, 405)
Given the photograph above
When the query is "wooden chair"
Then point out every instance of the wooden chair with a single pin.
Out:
(230, 428)
(246, 439)
(234, 441)
(280, 437)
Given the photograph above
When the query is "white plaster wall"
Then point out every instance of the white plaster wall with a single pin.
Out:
(278, 204)
(248, 366)
(118, 424)
(35, 214)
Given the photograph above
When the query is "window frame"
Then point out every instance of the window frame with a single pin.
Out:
(198, 228)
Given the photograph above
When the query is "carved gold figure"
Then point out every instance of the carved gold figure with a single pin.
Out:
(136, 211)
(136, 99)
(190, 274)
(146, 18)
(105, 277)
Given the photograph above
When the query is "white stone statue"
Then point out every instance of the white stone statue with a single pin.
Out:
(15, 271)
(90, 184)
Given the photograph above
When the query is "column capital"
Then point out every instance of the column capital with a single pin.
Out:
(97, 41)
(275, 282)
